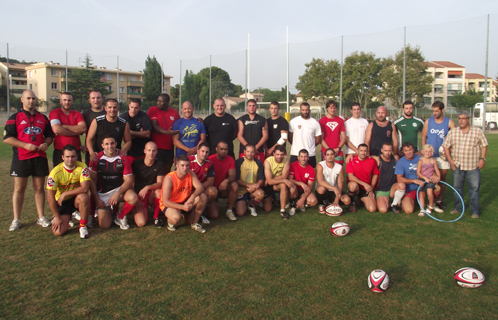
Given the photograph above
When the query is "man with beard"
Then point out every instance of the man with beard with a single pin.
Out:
(356, 128)
(408, 127)
(334, 132)
(379, 131)
(406, 174)
(303, 176)
(220, 126)
(251, 180)
(363, 175)
(204, 170)
(252, 130)
(304, 133)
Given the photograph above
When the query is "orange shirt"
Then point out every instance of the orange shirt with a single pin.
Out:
(181, 190)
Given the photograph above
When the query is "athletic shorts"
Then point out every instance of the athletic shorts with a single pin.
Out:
(383, 193)
(107, 196)
(430, 185)
(362, 193)
(245, 197)
(329, 195)
(269, 192)
(441, 164)
(67, 207)
(185, 213)
(36, 167)
(57, 156)
(145, 200)
(260, 156)
(300, 192)
(311, 161)
(411, 194)
(165, 156)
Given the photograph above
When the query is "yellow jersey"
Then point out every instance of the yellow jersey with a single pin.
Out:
(63, 179)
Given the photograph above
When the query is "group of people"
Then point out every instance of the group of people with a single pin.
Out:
(128, 158)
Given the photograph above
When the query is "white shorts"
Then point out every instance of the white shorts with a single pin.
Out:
(107, 196)
(441, 164)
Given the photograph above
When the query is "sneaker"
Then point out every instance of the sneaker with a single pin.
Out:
(475, 216)
(287, 205)
(395, 209)
(197, 227)
(171, 227)
(321, 209)
(292, 211)
(71, 222)
(421, 213)
(231, 216)
(454, 211)
(303, 208)
(352, 207)
(158, 223)
(440, 205)
(84, 233)
(285, 215)
(91, 221)
(76, 215)
(15, 225)
(205, 220)
(253, 211)
(43, 222)
(438, 210)
(122, 223)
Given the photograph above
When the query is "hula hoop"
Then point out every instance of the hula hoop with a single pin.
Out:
(463, 205)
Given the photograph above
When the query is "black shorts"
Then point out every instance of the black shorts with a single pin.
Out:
(67, 207)
(36, 167)
(311, 161)
(57, 156)
(300, 192)
(165, 156)
(329, 195)
(362, 193)
(245, 197)
(269, 192)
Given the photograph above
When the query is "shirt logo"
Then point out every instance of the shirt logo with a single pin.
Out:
(85, 173)
(119, 163)
(275, 126)
(189, 131)
(413, 167)
(250, 122)
(23, 122)
(39, 121)
(299, 126)
(225, 124)
(32, 130)
(306, 175)
(414, 124)
(117, 129)
(332, 125)
(172, 118)
(50, 182)
(439, 133)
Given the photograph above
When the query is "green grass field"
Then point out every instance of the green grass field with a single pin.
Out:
(256, 267)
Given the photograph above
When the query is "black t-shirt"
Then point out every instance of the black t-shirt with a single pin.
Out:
(145, 175)
(274, 130)
(386, 174)
(253, 130)
(115, 129)
(379, 136)
(220, 129)
(137, 123)
(89, 115)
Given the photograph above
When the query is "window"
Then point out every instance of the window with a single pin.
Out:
(121, 78)
(53, 72)
(477, 113)
(133, 78)
(121, 90)
(54, 85)
(108, 76)
(30, 86)
(439, 75)
(438, 88)
(427, 101)
(438, 99)
(109, 88)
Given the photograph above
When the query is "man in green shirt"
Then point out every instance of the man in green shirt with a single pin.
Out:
(408, 127)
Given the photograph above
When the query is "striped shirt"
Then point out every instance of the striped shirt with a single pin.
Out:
(465, 147)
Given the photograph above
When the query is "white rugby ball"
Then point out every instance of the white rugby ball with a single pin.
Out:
(340, 229)
(469, 278)
(333, 211)
(442, 155)
(378, 281)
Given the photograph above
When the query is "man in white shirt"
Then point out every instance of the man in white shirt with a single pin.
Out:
(304, 133)
(355, 131)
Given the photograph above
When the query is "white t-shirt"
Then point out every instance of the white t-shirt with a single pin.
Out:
(330, 175)
(304, 133)
(355, 130)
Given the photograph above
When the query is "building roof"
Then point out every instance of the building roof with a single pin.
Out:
(475, 76)
(16, 65)
(443, 64)
(234, 99)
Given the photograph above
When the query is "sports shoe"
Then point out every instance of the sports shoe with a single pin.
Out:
(321, 209)
(197, 227)
(122, 223)
(454, 211)
(84, 233)
(287, 205)
(352, 207)
(231, 216)
(285, 215)
(438, 210)
(395, 209)
(292, 211)
(303, 208)
(440, 205)
(253, 211)
(15, 225)
(76, 215)
(71, 222)
(205, 220)
(171, 227)
(43, 222)
(475, 216)
(91, 221)
(158, 223)
(421, 213)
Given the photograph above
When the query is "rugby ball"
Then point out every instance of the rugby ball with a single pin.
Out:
(378, 281)
(442, 155)
(469, 278)
(340, 229)
(333, 211)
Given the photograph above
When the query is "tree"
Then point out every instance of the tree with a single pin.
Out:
(467, 99)
(320, 80)
(418, 81)
(152, 79)
(193, 86)
(83, 81)
(361, 79)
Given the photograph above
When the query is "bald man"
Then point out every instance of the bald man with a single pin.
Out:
(192, 132)
(29, 133)
(379, 132)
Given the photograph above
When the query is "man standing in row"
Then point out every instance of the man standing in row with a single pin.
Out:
(408, 127)
(96, 109)
(220, 126)
(192, 132)
(253, 130)
(67, 125)
(304, 133)
(140, 127)
(29, 133)
(379, 131)
(333, 132)
(278, 130)
(356, 128)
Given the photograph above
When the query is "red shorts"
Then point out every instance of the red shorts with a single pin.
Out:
(260, 156)
(145, 200)
(411, 195)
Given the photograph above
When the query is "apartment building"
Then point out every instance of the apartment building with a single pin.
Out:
(449, 78)
(17, 77)
(475, 81)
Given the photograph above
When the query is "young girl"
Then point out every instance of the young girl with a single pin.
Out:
(427, 167)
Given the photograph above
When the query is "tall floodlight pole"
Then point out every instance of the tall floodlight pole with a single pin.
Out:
(210, 84)
(8, 84)
(67, 82)
(180, 93)
(342, 68)
(248, 65)
(287, 95)
(404, 66)
(246, 80)
(162, 78)
(485, 81)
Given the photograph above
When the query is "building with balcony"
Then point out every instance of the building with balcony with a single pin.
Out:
(17, 77)
(475, 81)
(449, 79)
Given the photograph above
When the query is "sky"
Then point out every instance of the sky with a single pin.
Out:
(191, 31)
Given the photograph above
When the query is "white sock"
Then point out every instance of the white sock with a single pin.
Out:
(398, 195)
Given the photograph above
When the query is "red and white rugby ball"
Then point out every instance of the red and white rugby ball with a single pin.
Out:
(378, 281)
(340, 229)
(469, 278)
(333, 211)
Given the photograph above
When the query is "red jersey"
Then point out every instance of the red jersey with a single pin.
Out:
(221, 168)
(331, 131)
(29, 128)
(204, 171)
(110, 171)
(165, 119)
(72, 119)
(363, 170)
(302, 174)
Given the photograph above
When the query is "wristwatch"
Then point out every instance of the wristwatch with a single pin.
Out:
(483, 159)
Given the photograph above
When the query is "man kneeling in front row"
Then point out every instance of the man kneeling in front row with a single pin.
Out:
(182, 195)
